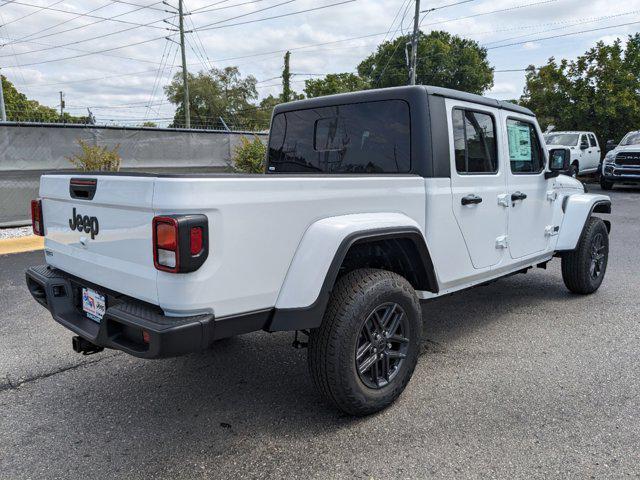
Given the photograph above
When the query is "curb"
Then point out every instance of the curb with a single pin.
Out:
(21, 244)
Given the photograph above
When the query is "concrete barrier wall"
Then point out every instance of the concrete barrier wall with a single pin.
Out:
(29, 150)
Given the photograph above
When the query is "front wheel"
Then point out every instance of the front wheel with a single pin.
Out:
(364, 352)
(575, 170)
(605, 185)
(583, 269)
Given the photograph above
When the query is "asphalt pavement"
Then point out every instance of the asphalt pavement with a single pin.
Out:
(517, 379)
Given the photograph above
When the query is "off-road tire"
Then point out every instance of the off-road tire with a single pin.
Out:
(577, 265)
(332, 346)
(605, 185)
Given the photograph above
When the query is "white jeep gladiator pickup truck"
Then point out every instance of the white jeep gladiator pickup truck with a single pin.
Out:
(370, 203)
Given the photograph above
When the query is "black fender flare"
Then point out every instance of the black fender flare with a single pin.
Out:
(287, 319)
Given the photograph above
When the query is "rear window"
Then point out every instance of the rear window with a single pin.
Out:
(371, 137)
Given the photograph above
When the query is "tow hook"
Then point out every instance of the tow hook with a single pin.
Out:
(85, 347)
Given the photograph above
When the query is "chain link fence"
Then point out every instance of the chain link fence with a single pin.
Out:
(29, 150)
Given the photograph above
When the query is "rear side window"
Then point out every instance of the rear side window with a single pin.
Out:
(525, 152)
(373, 137)
(474, 139)
(592, 139)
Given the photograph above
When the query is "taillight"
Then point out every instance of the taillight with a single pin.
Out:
(195, 242)
(165, 244)
(36, 217)
(180, 242)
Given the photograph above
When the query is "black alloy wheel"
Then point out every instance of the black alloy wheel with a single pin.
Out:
(382, 345)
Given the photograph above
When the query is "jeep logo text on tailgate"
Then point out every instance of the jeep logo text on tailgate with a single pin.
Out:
(84, 223)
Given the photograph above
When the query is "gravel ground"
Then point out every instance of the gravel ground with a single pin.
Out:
(15, 232)
(517, 379)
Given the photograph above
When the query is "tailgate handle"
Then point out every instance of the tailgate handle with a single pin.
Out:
(83, 188)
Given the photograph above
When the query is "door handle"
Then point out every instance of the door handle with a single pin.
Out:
(471, 200)
(518, 196)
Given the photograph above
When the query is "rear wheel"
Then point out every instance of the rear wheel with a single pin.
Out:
(364, 352)
(583, 269)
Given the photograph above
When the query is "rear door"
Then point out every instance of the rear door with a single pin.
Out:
(478, 181)
(104, 236)
(530, 194)
(594, 152)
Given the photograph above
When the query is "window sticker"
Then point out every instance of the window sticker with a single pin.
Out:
(519, 142)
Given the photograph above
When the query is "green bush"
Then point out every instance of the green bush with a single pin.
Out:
(93, 158)
(249, 156)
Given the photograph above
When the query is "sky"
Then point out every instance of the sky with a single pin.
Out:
(124, 83)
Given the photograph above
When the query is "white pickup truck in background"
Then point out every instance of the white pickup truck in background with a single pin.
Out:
(371, 202)
(621, 164)
(585, 150)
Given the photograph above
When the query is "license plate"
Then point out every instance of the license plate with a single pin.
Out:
(93, 304)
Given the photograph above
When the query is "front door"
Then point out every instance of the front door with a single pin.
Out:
(478, 181)
(530, 194)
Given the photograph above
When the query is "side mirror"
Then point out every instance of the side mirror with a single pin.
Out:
(584, 146)
(559, 162)
(611, 145)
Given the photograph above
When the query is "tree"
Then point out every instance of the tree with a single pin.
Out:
(444, 60)
(214, 94)
(249, 156)
(286, 78)
(334, 83)
(20, 109)
(599, 91)
(149, 124)
(94, 158)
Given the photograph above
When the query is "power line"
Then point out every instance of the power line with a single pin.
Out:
(52, 47)
(94, 79)
(272, 52)
(199, 10)
(392, 53)
(501, 10)
(93, 53)
(75, 29)
(86, 15)
(564, 35)
(199, 41)
(83, 51)
(575, 23)
(165, 52)
(210, 5)
(150, 6)
(51, 27)
(277, 16)
(202, 27)
(32, 13)
(446, 6)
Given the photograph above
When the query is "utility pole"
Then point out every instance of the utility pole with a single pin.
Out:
(185, 87)
(3, 112)
(286, 78)
(61, 105)
(414, 45)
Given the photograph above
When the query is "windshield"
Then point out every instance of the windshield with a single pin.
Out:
(562, 139)
(632, 138)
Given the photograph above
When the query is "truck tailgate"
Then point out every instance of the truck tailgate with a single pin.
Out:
(115, 249)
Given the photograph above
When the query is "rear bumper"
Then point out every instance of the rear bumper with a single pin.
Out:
(124, 321)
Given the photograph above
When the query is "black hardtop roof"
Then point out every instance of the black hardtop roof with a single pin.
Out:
(394, 93)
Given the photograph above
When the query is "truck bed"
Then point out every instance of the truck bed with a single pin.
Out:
(255, 225)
